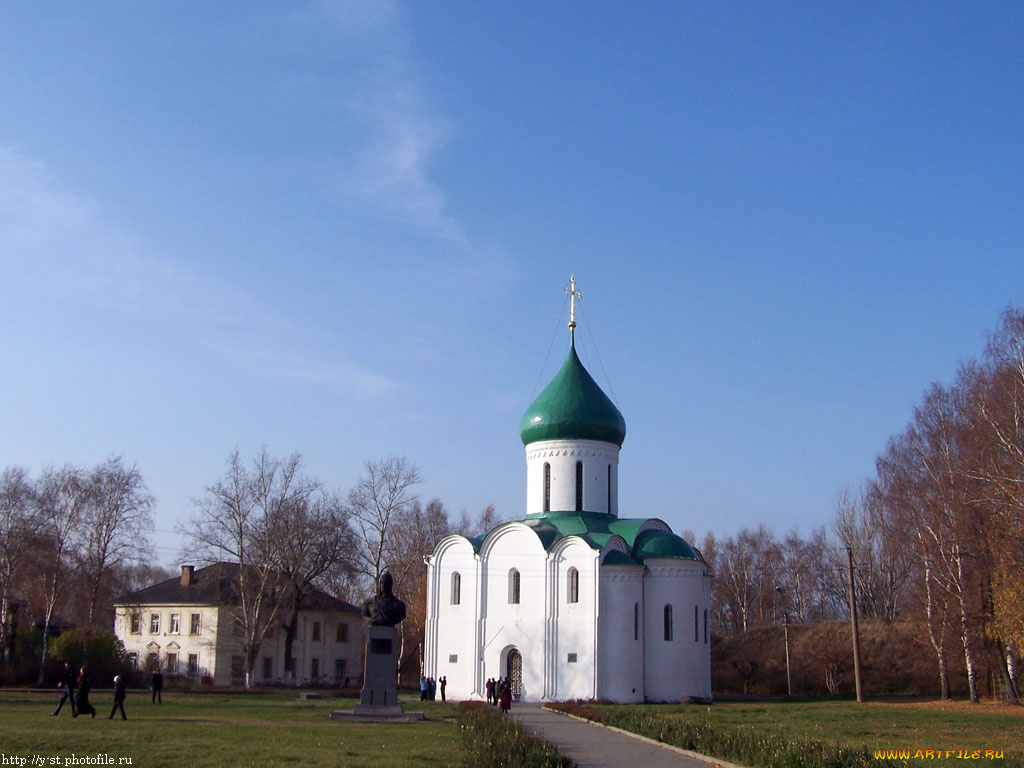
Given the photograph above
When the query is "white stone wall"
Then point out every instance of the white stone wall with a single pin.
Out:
(506, 625)
(680, 666)
(452, 640)
(621, 650)
(562, 455)
(611, 662)
(575, 624)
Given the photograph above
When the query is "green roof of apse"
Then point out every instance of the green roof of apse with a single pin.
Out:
(596, 528)
(572, 406)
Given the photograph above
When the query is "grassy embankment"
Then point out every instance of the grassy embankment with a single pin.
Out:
(909, 726)
(226, 730)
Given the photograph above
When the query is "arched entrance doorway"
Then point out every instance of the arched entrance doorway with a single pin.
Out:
(514, 672)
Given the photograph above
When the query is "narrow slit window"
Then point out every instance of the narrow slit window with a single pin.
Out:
(456, 588)
(609, 489)
(636, 621)
(547, 487)
(705, 626)
(696, 626)
(574, 586)
(579, 486)
(668, 622)
(513, 587)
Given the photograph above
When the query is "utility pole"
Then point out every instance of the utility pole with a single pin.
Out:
(785, 620)
(856, 631)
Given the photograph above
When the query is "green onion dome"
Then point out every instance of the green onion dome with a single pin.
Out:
(572, 407)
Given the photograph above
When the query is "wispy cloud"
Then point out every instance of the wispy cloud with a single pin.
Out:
(58, 240)
(402, 133)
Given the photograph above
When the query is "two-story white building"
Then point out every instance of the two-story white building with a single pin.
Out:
(186, 626)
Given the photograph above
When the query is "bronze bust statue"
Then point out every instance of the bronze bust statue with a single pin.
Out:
(384, 609)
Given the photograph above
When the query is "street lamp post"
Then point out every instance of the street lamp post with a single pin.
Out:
(785, 623)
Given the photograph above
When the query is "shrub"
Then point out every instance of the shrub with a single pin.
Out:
(493, 740)
(106, 656)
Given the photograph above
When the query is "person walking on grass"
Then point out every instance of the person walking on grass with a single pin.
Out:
(84, 686)
(118, 698)
(444, 684)
(157, 684)
(67, 682)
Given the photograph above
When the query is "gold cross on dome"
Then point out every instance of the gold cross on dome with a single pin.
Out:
(573, 294)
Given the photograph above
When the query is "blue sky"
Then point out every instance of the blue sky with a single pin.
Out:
(343, 228)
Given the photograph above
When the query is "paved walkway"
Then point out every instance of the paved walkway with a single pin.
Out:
(591, 746)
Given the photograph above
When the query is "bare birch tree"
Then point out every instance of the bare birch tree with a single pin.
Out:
(62, 498)
(377, 501)
(233, 522)
(17, 523)
(311, 536)
(114, 529)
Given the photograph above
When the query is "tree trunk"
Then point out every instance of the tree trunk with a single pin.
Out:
(938, 643)
(1005, 658)
(289, 639)
(93, 597)
(965, 632)
(42, 656)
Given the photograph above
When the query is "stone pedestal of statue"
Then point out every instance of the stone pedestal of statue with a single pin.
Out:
(379, 699)
(379, 694)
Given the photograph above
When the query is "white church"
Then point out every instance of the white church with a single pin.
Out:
(572, 602)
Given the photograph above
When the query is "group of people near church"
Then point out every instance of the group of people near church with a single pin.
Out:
(76, 688)
(429, 687)
(499, 693)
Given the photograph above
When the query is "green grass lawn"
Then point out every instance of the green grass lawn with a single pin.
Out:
(875, 725)
(230, 729)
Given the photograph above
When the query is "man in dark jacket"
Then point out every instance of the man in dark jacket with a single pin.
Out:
(68, 683)
(157, 685)
(118, 698)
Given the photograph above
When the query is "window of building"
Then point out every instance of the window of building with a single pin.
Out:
(193, 628)
(172, 663)
(547, 487)
(609, 488)
(696, 626)
(340, 668)
(314, 669)
(668, 622)
(342, 636)
(154, 623)
(513, 586)
(135, 623)
(636, 621)
(571, 658)
(238, 666)
(456, 588)
(133, 660)
(152, 661)
(573, 590)
(453, 658)
(237, 628)
(174, 624)
(268, 667)
(705, 626)
(579, 486)
(316, 631)
(193, 665)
